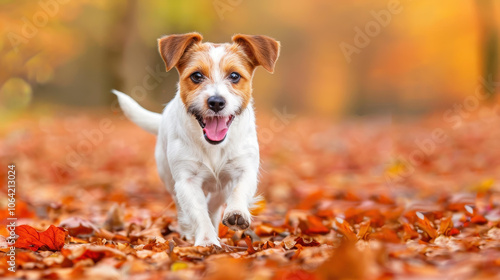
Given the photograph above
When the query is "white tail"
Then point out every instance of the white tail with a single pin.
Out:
(147, 120)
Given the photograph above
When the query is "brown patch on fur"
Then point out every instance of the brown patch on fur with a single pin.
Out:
(237, 61)
(262, 50)
(173, 47)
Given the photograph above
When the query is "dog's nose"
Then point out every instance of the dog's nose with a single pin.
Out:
(216, 103)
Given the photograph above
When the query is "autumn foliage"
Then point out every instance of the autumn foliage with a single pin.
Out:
(341, 202)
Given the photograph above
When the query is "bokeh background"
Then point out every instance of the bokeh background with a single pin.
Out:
(407, 56)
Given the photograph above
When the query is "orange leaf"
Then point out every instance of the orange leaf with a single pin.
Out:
(297, 252)
(225, 232)
(344, 228)
(445, 226)
(313, 225)
(268, 230)
(29, 238)
(409, 232)
(386, 235)
(268, 245)
(425, 225)
(479, 220)
(250, 249)
(95, 253)
(364, 229)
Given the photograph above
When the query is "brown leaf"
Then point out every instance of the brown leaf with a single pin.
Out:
(78, 227)
(250, 249)
(308, 242)
(114, 219)
(52, 239)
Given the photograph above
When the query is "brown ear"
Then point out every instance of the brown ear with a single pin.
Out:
(262, 50)
(172, 47)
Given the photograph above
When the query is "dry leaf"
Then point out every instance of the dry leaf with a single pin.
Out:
(52, 239)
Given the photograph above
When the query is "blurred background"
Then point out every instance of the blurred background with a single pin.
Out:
(337, 59)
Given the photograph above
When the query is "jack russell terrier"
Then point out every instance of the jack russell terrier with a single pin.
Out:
(207, 152)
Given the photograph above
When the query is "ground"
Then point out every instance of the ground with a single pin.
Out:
(367, 198)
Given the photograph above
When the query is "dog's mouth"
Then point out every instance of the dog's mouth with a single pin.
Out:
(215, 128)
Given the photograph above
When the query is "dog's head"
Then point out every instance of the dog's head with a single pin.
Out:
(216, 79)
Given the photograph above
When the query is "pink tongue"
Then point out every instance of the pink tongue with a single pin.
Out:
(216, 128)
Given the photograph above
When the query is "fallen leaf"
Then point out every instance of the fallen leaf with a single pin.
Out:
(114, 218)
(251, 250)
(78, 227)
(424, 224)
(364, 230)
(313, 225)
(445, 226)
(344, 228)
(52, 239)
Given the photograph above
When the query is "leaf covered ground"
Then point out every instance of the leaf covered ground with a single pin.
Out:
(368, 198)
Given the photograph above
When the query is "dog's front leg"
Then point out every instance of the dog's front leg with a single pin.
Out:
(237, 214)
(194, 211)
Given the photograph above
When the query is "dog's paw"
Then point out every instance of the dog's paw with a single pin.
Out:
(207, 241)
(235, 220)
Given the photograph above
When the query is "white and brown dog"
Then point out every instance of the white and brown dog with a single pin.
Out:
(207, 152)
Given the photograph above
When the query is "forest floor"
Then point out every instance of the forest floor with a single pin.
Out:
(367, 198)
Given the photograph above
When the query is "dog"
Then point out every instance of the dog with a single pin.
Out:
(207, 152)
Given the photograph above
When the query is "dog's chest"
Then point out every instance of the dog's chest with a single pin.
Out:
(219, 173)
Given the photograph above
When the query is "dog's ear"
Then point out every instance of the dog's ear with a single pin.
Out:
(262, 50)
(172, 47)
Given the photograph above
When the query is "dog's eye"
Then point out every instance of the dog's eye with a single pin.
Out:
(234, 77)
(196, 77)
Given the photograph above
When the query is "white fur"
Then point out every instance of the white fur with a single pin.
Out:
(200, 176)
(148, 120)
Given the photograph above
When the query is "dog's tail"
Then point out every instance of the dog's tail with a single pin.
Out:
(147, 120)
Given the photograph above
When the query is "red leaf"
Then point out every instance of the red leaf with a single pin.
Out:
(29, 238)
(479, 220)
(313, 225)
